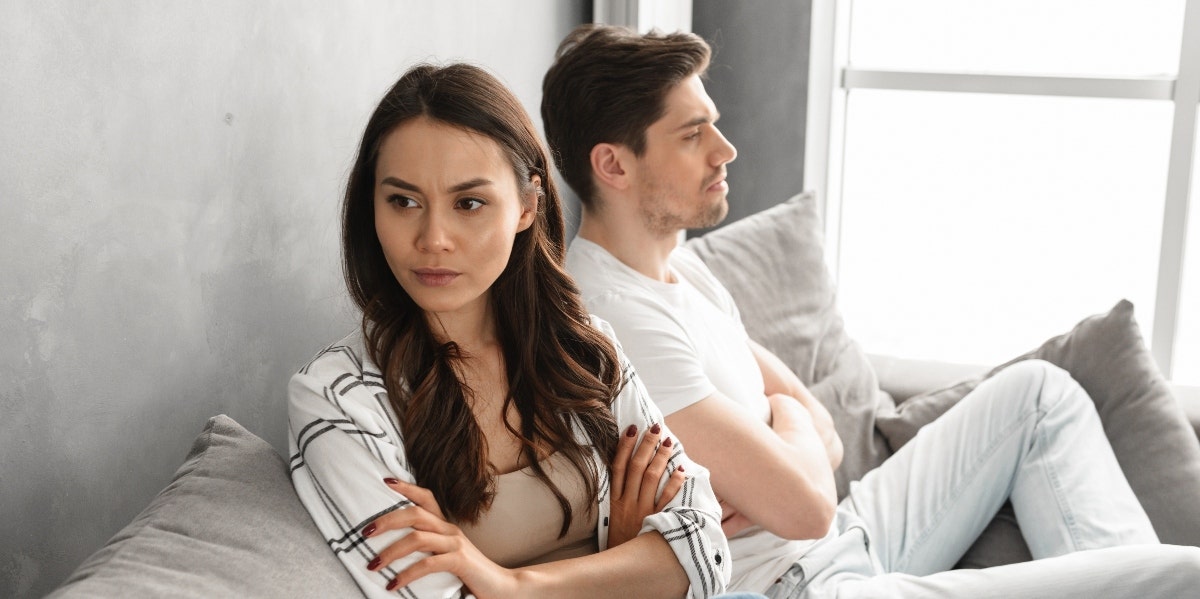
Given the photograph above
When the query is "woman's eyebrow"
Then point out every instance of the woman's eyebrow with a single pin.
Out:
(401, 183)
(470, 184)
(465, 185)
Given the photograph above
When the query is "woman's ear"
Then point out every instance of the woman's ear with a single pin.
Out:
(608, 166)
(531, 204)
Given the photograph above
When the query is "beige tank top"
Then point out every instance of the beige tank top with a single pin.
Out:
(521, 528)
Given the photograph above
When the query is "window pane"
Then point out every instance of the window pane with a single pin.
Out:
(1186, 362)
(1060, 37)
(974, 227)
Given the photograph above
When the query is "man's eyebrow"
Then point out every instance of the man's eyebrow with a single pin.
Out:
(700, 120)
(465, 185)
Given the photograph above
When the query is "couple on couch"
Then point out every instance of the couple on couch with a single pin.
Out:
(484, 433)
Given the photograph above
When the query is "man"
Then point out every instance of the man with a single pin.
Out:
(635, 134)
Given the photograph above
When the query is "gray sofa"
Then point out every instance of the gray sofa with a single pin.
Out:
(229, 523)
(902, 378)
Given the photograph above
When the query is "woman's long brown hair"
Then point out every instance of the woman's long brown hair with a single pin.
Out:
(562, 372)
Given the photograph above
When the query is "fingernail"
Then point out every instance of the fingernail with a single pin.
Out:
(680, 468)
(371, 565)
(631, 431)
(393, 584)
(369, 530)
(391, 481)
(654, 429)
(667, 442)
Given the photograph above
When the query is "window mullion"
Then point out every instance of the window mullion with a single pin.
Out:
(1179, 174)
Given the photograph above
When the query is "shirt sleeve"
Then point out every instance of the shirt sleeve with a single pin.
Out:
(343, 443)
(691, 522)
(654, 339)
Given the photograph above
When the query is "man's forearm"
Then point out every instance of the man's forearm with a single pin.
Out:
(796, 426)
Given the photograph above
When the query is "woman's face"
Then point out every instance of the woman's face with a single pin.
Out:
(447, 209)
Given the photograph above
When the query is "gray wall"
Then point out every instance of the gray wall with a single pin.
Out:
(169, 183)
(759, 81)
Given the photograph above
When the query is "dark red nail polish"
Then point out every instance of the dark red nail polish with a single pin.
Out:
(369, 530)
(667, 442)
(393, 584)
(391, 481)
(654, 429)
(680, 469)
(371, 565)
(631, 431)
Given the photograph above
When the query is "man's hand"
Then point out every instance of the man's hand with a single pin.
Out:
(779, 379)
(635, 476)
(822, 421)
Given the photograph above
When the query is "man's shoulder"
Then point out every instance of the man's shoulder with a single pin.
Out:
(601, 277)
(691, 268)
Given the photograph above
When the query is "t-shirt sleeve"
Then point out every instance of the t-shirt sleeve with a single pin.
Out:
(343, 444)
(659, 347)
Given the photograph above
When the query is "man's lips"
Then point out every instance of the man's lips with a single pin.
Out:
(435, 277)
(719, 184)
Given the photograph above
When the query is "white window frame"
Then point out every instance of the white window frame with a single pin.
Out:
(644, 15)
(832, 77)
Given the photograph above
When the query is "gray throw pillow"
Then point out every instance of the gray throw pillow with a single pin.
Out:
(773, 264)
(228, 525)
(1150, 434)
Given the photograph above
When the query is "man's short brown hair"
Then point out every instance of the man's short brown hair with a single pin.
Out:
(608, 85)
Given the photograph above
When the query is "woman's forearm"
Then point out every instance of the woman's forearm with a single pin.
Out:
(642, 567)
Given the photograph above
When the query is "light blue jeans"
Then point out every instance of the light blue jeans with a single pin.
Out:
(1029, 434)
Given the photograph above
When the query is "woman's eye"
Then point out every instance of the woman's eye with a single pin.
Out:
(401, 201)
(470, 204)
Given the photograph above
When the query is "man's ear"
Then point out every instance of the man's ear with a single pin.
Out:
(531, 204)
(610, 165)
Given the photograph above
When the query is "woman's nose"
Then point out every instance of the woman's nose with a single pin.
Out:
(433, 235)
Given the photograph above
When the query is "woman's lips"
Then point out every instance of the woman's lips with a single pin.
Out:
(435, 277)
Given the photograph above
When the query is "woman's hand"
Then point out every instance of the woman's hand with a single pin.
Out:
(451, 551)
(635, 476)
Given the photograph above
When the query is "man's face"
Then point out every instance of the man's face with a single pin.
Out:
(680, 178)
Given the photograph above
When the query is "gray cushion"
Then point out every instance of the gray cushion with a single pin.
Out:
(773, 264)
(1150, 435)
(228, 525)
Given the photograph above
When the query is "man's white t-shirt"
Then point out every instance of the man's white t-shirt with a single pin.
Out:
(687, 341)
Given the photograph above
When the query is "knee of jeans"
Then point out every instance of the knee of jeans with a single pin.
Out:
(1045, 376)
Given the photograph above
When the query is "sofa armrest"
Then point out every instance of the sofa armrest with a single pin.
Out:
(903, 378)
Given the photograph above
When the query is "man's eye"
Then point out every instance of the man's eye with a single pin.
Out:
(471, 204)
(693, 136)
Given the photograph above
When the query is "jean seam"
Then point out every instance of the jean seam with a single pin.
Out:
(1064, 508)
(955, 493)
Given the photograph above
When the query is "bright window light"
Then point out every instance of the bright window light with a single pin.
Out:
(1056, 37)
(1186, 362)
(974, 227)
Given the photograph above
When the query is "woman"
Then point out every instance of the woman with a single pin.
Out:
(463, 440)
